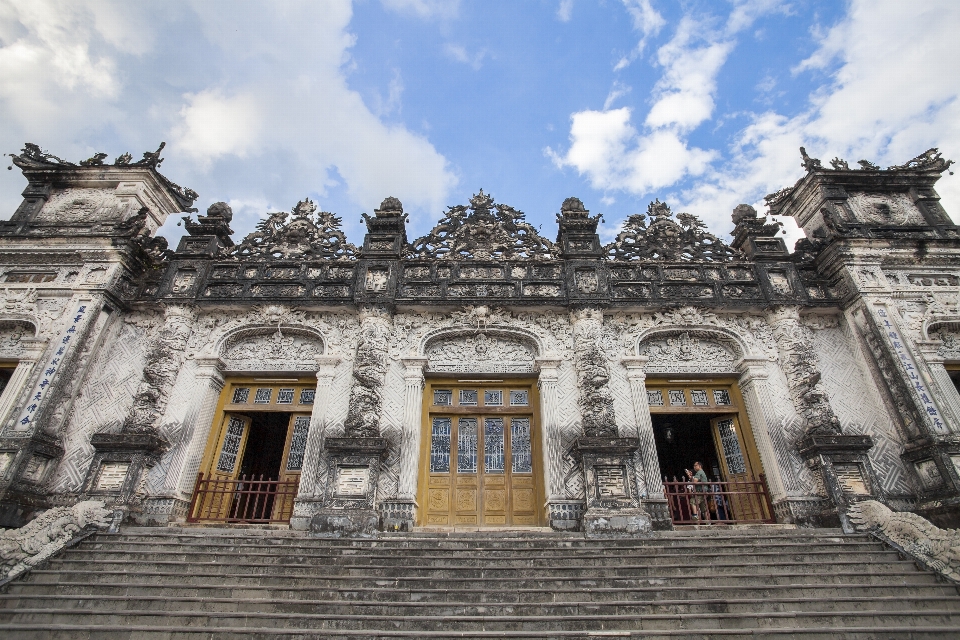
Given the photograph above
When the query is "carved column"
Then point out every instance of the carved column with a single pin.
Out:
(349, 502)
(612, 504)
(400, 514)
(763, 419)
(564, 514)
(210, 381)
(310, 490)
(412, 427)
(641, 408)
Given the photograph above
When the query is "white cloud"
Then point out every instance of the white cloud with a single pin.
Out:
(685, 91)
(647, 21)
(886, 109)
(425, 8)
(565, 10)
(213, 125)
(607, 149)
(257, 107)
(460, 54)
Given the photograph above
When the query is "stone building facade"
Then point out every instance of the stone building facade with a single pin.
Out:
(482, 374)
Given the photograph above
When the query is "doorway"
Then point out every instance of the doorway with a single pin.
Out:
(254, 455)
(705, 421)
(480, 463)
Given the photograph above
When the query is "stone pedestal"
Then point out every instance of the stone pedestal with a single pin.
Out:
(119, 466)
(349, 502)
(936, 461)
(612, 506)
(841, 462)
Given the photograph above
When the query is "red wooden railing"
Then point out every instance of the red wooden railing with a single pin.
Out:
(734, 502)
(243, 500)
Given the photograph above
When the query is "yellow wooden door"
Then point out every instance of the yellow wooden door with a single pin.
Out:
(291, 465)
(218, 499)
(729, 442)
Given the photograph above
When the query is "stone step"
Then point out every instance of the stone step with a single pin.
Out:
(365, 593)
(513, 594)
(148, 632)
(452, 570)
(134, 550)
(400, 562)
(467, 623)
(450, 606)
(194, 576)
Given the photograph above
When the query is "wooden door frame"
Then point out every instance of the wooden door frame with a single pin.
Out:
(536, 435)
(738, 408)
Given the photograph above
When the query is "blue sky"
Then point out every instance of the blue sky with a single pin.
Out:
(701, 104)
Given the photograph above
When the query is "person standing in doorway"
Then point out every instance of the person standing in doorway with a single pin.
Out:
(698, 505)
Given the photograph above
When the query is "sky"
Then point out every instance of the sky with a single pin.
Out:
(702, 104)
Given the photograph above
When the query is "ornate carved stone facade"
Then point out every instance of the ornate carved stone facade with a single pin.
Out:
(846, 351)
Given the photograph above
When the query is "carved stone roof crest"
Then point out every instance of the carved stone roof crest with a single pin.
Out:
(680, 238)
(307, 235)
(483, 231)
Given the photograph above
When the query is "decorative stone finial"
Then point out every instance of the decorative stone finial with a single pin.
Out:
(220, 210)
(743, 212)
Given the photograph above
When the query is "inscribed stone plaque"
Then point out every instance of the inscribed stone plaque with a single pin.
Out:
(851, 479)
(111, 476)
(610, 481)
(353, 481)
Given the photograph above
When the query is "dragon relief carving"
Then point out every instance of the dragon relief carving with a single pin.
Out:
(483, 231)
(800, 363)
(369, 371)
(680, 238)
(308, 235)
(12, 335)
(936, 548)
(48, 534)
(593, 376)
(482, 354)
(163, 362)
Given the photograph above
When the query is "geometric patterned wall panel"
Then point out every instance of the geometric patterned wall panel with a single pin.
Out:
(104, 400)
(859, 406)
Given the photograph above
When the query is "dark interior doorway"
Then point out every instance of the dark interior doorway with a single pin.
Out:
(264, 452)
(682, 439)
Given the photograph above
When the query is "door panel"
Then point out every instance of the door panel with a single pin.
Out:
(480, 460)
(218, 501)
(728, 439)
(290, 465)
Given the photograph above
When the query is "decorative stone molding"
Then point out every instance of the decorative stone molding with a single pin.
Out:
(596, 401)
(48, 534)
(481, 353)
(263, 349)
(369, 370)
(305, 236)
(937, 549)
(688, 352)
(683, 237)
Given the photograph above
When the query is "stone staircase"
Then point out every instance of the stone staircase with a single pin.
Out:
(229, 583)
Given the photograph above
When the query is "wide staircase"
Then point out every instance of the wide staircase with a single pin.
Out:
(220, 583)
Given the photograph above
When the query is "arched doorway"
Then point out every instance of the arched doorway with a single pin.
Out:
(481, 462)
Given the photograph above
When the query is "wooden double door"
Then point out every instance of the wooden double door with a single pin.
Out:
(255, 451)
(480, 463)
